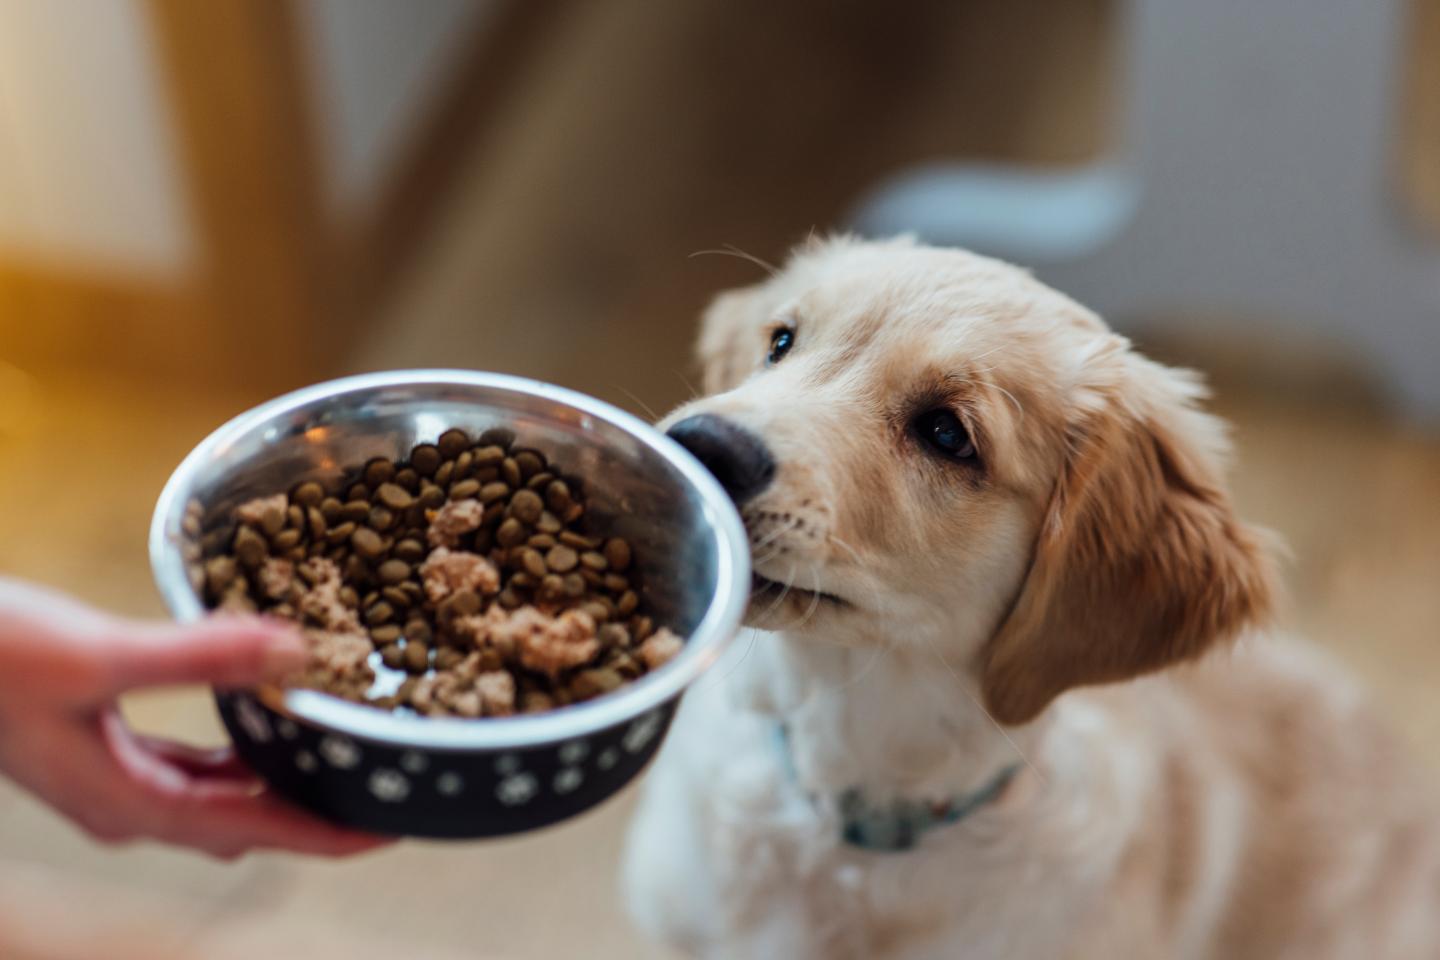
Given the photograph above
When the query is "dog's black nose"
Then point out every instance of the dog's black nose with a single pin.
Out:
(736, 456)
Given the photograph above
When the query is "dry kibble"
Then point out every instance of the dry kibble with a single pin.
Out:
(425, 459)
(467, 568)
(464, 489)
(393, 571)
(417, 656)
(510, 533)
(394, 496)
(557, 496)
(533, 563)
(411, 551)
(250, 547)
(368, 543)
(529, 462)
(452, 443)
(526, 506)
(510, 472)
(378, 472)
(308, 494)
(617, 554)
(561, 559)
(380, 519)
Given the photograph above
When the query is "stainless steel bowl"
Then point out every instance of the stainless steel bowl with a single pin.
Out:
(406, 774)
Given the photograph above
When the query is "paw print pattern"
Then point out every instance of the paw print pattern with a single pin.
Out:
(340, 752)
(413, 763)
(567, 780)
(517, 789)
(389, 786)
(641, 732)
(253, 721)
(449, 784)
(608, 758)
(287, 729)
(305, 761)
(573, 752)
(507, 764)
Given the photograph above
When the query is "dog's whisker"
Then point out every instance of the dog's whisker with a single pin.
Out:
(730, 250)
(774, 535)
(694, 391)
(649, 411)
(1018, 409)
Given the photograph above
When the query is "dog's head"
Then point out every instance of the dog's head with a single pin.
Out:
(931, 447)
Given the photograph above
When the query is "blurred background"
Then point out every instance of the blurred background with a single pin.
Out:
(203, 204)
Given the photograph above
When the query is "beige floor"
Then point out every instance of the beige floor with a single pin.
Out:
(564, 256)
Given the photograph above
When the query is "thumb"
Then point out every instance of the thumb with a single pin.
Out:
(226, 651)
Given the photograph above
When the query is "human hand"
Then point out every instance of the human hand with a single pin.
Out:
(62, 667)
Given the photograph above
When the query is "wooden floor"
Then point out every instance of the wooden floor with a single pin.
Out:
(564, 256)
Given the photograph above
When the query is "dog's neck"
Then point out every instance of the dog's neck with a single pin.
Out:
(887, 720)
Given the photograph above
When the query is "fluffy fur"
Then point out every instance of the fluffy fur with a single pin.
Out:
(926, 622)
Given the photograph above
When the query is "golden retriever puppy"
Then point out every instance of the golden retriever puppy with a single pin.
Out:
(1011, 692)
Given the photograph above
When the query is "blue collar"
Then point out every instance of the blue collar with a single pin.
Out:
(900, 825)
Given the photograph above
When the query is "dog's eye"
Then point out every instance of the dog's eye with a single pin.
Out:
(943, 432)
(780, 343)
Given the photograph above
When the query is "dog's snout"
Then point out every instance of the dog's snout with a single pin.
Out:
(737, 458)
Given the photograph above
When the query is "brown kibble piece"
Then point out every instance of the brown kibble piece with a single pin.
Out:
(250, 547)
(510, 533)
(465, 490)
(377, 472)
(394, 496)
(368, 543)
(393, 571)
(417, 656)
(561, 559)
(627, 603)
(617, 554)
(489, 455)
(452, 443)
(529, 462)
(510, 472)
(387, 634)
(526, 506)
(589, 684)
(220, 572)
(308, 494)
(557, 496)
(425, 459)
(409, 550)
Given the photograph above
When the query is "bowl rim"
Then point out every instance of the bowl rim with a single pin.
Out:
(715, 631)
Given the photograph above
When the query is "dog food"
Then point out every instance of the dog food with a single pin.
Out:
(459, 582)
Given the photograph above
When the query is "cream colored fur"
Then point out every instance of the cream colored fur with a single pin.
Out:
(1083, 600)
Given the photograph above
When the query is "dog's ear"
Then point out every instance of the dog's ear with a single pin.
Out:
(1140, 562)
(730, 347)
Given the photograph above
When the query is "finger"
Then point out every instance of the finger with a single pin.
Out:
(210, 762)
(221, 650)
(228, 825)
(220, 815)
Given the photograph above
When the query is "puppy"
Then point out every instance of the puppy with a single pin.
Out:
(1012, 691)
